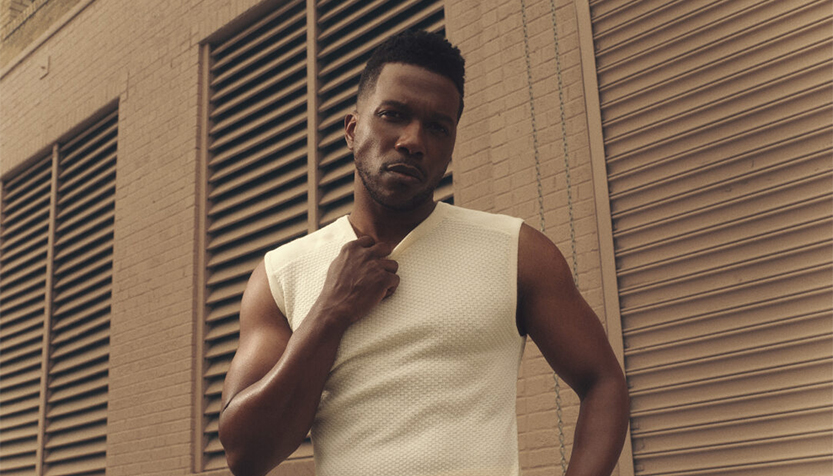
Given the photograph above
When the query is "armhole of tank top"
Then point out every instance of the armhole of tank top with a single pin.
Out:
(515, 240)
(274, 284)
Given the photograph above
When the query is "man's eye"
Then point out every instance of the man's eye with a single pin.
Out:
(390, 114)
(438, 129)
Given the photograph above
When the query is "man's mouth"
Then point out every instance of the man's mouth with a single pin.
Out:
(407, 170)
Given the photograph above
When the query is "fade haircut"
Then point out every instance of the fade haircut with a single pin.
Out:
(419, 48)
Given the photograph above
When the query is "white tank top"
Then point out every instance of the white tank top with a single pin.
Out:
(425, 384)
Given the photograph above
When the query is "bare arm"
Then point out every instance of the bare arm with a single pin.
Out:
(573, 341)
(274, 384)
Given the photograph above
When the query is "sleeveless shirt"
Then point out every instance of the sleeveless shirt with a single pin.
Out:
(425, 384)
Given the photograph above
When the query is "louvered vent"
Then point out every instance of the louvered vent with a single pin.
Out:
(349, 31)
(257, 196)
(80, 339)
(23, 268)
(716, 119)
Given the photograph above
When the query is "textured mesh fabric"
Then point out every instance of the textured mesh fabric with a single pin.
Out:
(426, 383)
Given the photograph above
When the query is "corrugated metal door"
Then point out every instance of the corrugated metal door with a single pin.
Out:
(717, 129)
(24, 247)
(266, 184)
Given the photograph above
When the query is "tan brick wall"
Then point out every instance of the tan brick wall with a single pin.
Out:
(145, 55)
(495, 169)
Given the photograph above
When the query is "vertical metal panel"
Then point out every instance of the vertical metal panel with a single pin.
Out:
(716, 121)
(76, 414)
(24, 231)
(257, 179)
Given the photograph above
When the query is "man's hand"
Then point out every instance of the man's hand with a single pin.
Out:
(358, 279)
(275, 381)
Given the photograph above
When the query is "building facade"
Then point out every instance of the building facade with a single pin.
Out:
(678, 153)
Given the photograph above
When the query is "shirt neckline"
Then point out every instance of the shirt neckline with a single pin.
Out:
(422, 229)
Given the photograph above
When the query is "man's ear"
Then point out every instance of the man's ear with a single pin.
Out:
(350, 128)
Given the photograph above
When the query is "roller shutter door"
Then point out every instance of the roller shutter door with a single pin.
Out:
(717, 127)
(24, 247)
(277, 166)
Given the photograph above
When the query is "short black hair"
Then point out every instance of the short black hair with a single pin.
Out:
(419, 48)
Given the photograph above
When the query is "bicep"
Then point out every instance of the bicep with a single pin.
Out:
(556, 316)
(264, 333)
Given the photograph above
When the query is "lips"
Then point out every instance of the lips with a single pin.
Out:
(407, 169)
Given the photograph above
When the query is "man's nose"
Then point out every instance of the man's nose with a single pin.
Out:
(410, 139)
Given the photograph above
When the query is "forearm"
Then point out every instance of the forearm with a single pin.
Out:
(263, 424)
(601, 428)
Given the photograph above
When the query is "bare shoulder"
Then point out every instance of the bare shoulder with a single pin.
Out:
(258, 307)
(541, 266)
(264, 333)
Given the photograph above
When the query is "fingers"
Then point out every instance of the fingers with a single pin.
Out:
(392, 288)
(365, 241)
(381, 250)
(389, 265)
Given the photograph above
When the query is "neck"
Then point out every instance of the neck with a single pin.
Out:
(383, 224)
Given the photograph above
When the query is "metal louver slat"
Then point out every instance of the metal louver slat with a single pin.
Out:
(352, 36)
(23, 254)
(257, 172)
(225, 329)
(281, 148)
(260, 138)
(235, 87)
(17, 191)
(244, 130)
(23, 215)
(23, 290)
(92, 264)
(22, 268)
(88, 433)
(258, 225)
(267, 103)
(21, 319)
(29, 350)
(276, 39)
(31, 332)
(651, 70)
(336, 155)
(25, 237)
(342, 26)
(85, 465)
(70, 453)
(87, 177)
(73, 221)
(66, 400)
(255, 90)
(715, 116)
(79, 335)
(88, 156)
(260, 205)
(256, 191)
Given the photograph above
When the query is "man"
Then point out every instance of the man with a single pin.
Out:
(396, 333)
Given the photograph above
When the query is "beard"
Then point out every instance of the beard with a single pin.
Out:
(372, 183)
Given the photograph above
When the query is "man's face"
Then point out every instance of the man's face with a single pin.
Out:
(403, 134)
